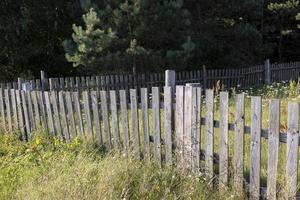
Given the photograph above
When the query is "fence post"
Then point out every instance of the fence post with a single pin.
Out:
(170, 81)
(170, 78)
(267, 72)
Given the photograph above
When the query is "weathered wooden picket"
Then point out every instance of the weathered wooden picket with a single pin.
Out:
(241, 78)
(168, 126)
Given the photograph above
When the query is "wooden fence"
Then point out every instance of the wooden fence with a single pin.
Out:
(167, 126)
(240, 78)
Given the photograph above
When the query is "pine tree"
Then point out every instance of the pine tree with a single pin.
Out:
(139, 34)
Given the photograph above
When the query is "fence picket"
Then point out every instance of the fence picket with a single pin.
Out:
(94, 98)
(238, 166)
(2, 109)
(8, 109)
(30, 110)
(156, 125)
(145, 121)
(209, 149)
(87, 112)
(223, 140)
(179, 125)
(36, 109)
(41, 100)
(114, 117)
(292, 150)
(196, 128)
(20, 114)
(105, 119)
(187, 136)
(124, 120)
(78, 112)
(63, 116)
(255, 148)
(14, 108)
(49, 114)
(71, 114)
(135, 123)
(168, 124)
(53, 100)
(273, 147)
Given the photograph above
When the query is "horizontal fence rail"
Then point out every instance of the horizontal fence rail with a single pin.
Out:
(240, 78)
(172, 126)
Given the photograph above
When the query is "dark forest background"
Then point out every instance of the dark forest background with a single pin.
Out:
(72, 37)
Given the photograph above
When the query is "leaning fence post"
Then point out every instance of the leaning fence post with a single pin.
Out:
(267, 72)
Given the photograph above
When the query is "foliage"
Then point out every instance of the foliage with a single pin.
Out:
(144, 35)
(31, 36)
(132, 34)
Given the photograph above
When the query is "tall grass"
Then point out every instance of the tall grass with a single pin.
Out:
(46, 168)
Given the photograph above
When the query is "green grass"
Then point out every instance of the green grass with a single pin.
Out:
(45, 168)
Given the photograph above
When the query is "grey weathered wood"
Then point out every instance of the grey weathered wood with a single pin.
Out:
(41, 100)
(238, 159)
(78, 112)
(145, 121)
(2, 109)
(196, 139)
(168, 124)
(105, 119)
(223, 140)
(195, 135)
(20, 114)
(71, 114)
(26, 116)
(114, 118)
(124, 120)
(135, 123)
(87, 111)
(254, 189)
(156, 125)
(36, 109)
(14, 108)
(30, 110)
(94, 98)
(53, 100)
(187, 137)
(292, 150)
(51, 84)
(8, 109)
(273, 147)
(179, 124)
(170, 78)
(62, 83)
(209, 149)
(63, 116)
(49, 114)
